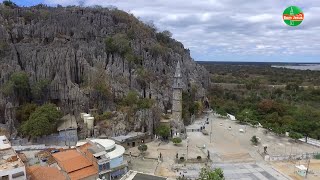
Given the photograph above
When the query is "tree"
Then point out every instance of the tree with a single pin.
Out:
(221, 112)
(18, 85)
(254, 140)
(176, 140)
(9, 3)
(246, 115)
(292, 87)
(118, 43)
(163, 131)
(24, 111)
(43, 121)
(142, 148)
(208, 174)
(131, 99)
(40, 89)
(295, 136)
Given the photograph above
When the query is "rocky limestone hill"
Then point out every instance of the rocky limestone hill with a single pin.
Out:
(88, 58)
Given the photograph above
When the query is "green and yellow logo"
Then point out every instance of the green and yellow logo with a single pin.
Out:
(293, 16)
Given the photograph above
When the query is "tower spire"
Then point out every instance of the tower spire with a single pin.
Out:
(177, 82)
(177, 94)
(178, 71)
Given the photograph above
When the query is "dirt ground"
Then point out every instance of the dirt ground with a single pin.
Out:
(288, 168)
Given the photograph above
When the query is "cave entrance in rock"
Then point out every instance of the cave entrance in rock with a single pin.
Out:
(57, 102)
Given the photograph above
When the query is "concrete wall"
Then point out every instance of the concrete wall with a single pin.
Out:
(13, 171)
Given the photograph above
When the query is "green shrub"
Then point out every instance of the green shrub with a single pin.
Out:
(118, 43)
(176, 140)
(142, 148)
(317, 156)
(29, 16)
(9, 3)
(39, 89)
(295, 135)
(164, 37)
(43, 121)
(4, 47)
(105, 116)
(24, 111)
(20, 80)
(163, 131)
(158, 50)
(254, 140)
(18, 83)
(145, 103)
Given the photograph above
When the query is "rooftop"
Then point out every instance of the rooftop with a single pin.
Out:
(113, 150)
(95, 149)
(71, 160)
(81, 174)
(130, 135)
(47, 173)
(68, 122)
(134, 175)
(106, 143)
(8, 157)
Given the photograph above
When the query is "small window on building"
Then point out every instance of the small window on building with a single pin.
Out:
(19, 174)
(5, 177)
(128, 144)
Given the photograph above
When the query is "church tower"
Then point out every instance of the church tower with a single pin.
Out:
(177, 94)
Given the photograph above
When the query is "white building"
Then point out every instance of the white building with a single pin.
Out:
(117, 165)
(11, 166)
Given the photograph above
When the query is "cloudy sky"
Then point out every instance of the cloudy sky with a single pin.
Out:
(227, 30)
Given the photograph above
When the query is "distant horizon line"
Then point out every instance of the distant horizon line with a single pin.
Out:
(241, 61)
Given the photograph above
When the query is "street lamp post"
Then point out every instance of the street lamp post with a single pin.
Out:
(187, 147)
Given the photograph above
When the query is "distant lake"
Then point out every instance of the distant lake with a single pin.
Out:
(313, 67)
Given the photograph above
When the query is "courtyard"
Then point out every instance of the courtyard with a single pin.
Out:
(229, 149)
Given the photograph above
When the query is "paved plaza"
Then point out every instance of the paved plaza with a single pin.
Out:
(238, 171)
(250, 172)
(229, 149)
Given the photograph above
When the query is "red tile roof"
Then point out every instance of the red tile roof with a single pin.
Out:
(85, 172)
(44, 173)
(75, 164)
(71, 160)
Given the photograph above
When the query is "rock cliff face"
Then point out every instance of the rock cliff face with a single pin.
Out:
(66, 47)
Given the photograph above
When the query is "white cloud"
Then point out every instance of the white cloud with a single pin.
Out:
(242, 27)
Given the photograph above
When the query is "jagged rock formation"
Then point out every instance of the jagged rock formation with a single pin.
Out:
(66, 46)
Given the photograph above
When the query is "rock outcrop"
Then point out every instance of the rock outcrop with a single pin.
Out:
(66, 46)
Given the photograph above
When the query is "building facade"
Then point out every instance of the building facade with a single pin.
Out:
(106, 156)
(132, 139)
(177, 94)
(11, 166)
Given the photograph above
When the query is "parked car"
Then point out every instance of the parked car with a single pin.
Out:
(54, 151)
